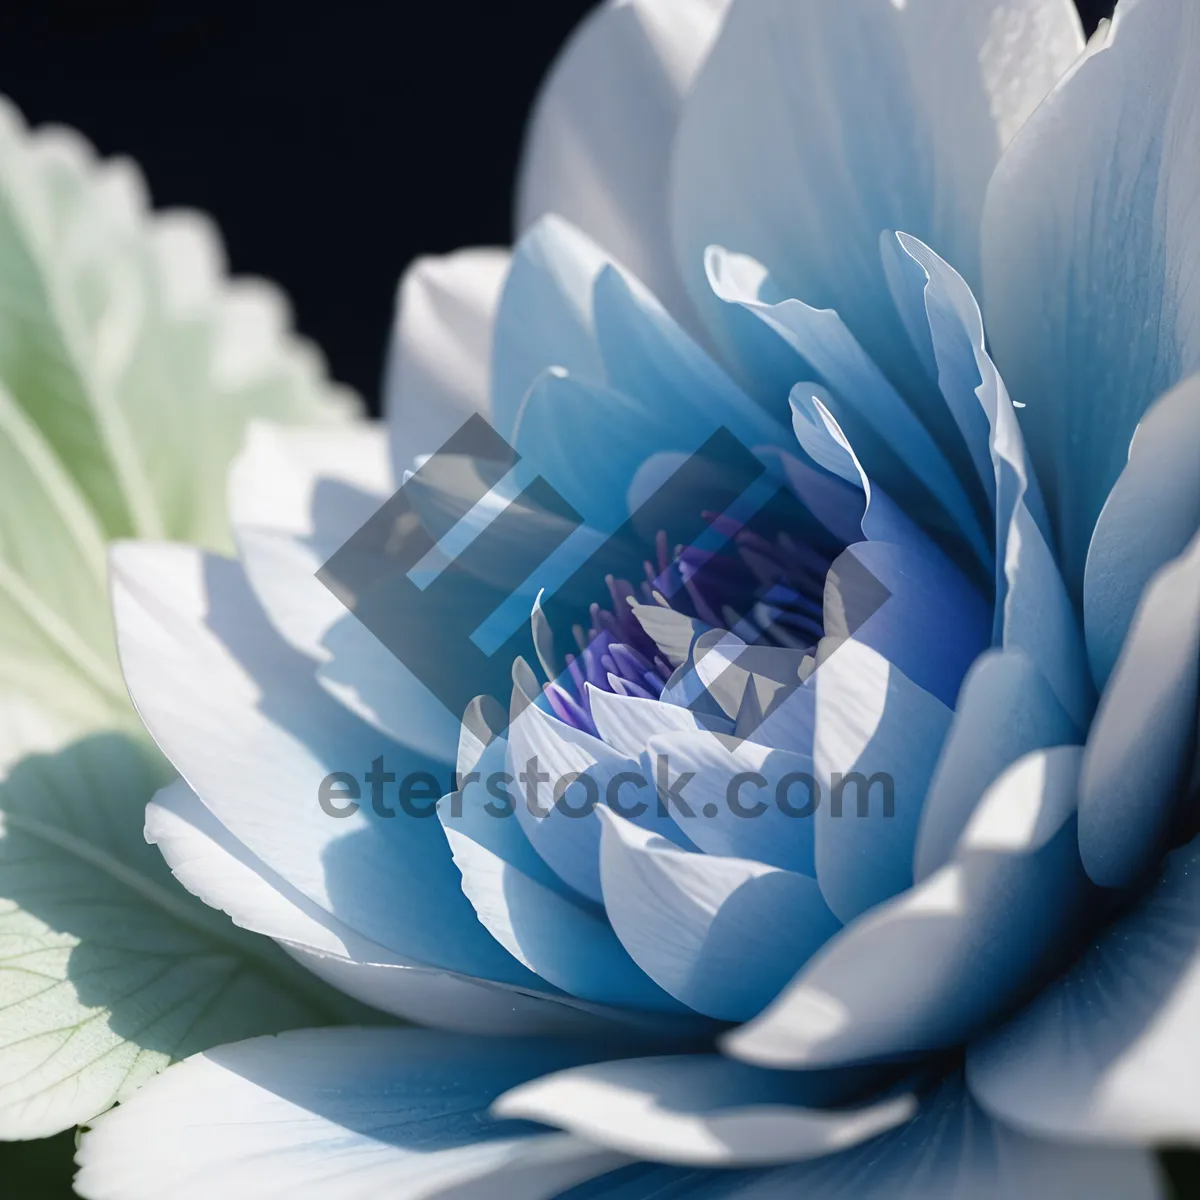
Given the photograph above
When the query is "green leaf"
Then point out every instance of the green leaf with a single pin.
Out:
(129, 368)
(108, 969)
(125, 343)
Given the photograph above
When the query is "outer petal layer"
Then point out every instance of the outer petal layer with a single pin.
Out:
(599, 143)
(339, 1114)
(813, 127)
(1090, 252)
(1112, 1051)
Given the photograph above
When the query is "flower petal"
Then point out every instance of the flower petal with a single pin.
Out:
(439, 362)
(544, 318)
(565, 777)
(878, 736)
(932, 625)
(556, 936)
(240, 716)
(339, 1114)
(1140, 752)
(1110, 1051)
(599, 142)
(212, 864)
(733, 796)
(1149, 517)
(627, 723)
(1089, 247)
(700, 1110)
(895, 446)
(813, 127)
(1034, 612)
(295, 495)
(1005, 711)
(952, 1149)
(364, 676)
(930, 967)
(707, 929)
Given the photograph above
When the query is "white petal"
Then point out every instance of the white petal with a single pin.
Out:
(1149, 517)
(627, 723)
(564, 941)
(1110, 1052)
(952, 1150)
(880, 736)
(598, 147)
(930, 967)
(733, 799)
(1138, 770)
(240, 716)
(707, 929)
(814, 126)
(1034, 612)
(698, 1110)
(439, 363)
(321, 483)
(339, 1114)
(295, 495)
(1005, 711)
(1090, 245)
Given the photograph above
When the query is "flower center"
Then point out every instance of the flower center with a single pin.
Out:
(766, 589)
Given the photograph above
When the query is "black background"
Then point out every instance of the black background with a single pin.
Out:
(332, 142)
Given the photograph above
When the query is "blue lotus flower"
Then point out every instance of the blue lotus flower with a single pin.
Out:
(763, 227)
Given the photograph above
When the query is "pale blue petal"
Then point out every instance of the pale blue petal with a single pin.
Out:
(295, 495)
(823, 440)
(562, 939)
(241, 717)
(836, 504)
(954, 1150)
(1090, 250)
(662, 395)
(1111, 1051)
(814, 126)
(1006, 710)
(1149, 517)
(933, 623)
(646, 354)
(951, 1151)
(895, 447)
(707, 929)
(562, 414)
(880, 734)
(1034, 612)
(599, 140)
(363, 675)
(702, 1110)
(742, 683)
(949, 358)
(212, 864)
(1138, 770)
(483, 792)
(439, 361)
(931, 967)
(739, 817)
(544, 318)
(338, 1114)
(627, 723)
(562, 777)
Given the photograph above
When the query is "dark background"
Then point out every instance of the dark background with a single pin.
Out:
(333, 142)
